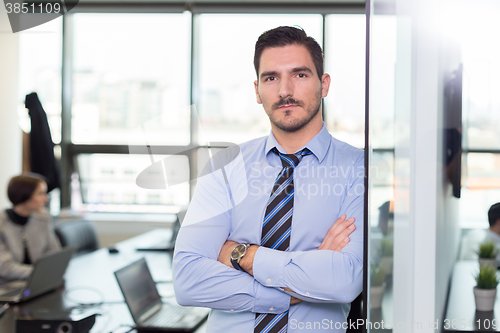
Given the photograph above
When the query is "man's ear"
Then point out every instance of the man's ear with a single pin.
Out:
(256, 86)
(325, 84)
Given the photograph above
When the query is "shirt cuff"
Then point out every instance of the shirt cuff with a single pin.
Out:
(270, 300)
(269, 266)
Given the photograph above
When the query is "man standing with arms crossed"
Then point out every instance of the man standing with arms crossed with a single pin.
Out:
(257, 244)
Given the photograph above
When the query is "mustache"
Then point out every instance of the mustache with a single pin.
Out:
(287, 101)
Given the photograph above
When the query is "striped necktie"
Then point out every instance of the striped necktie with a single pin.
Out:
(277, 228)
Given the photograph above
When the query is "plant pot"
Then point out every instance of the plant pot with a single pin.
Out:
(386, 264)
(485, 299)
(487, 261)
(376, 295)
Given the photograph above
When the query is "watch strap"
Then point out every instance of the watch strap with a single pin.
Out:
(236, 265)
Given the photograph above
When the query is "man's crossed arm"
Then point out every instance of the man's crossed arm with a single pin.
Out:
(336, 239)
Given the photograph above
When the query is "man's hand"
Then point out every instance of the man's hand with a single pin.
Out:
(246, 262)
(338, 235)
(225, 253)
(336, 238)
(293, 300)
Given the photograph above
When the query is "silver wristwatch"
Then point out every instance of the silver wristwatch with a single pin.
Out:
(238, 253)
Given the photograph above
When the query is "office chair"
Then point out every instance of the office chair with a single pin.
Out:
(80, 234)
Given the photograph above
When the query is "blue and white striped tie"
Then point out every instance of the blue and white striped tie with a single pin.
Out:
(277, 228)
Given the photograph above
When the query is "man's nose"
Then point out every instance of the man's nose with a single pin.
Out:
(286, 88)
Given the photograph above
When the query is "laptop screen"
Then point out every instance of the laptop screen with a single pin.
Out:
(48, 272)
(138, 288)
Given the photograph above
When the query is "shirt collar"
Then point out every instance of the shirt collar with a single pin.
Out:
(318, 145)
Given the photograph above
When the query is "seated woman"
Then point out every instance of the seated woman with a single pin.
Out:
(26, 231)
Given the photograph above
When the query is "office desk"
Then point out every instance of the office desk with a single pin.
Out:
(461, 314)
(90, 279)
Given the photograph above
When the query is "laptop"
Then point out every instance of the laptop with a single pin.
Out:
(46, 276)
(166, 245)
(146, 307)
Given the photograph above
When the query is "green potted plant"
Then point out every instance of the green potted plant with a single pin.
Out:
(386, 249)
(377, 286)
(485, 291)
(487, 254)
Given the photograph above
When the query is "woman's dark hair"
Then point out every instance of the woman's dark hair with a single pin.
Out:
(494, 214)
(283, 36)
(22, 187)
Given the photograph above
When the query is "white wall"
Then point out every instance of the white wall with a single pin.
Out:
(425, 160)
(10, 133)
(425, 227)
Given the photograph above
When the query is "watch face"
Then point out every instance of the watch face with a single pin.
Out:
(238, 251)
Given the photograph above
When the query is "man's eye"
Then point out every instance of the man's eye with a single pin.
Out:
(270, 78)
(301, 75)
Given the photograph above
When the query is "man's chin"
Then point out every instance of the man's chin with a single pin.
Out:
(289, 127)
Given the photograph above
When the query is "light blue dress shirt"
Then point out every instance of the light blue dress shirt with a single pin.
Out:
(229, 204)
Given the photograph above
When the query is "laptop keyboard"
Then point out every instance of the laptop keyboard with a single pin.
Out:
(10, 292)
(167, 316)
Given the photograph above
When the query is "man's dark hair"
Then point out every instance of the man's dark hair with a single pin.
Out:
(494, 214)
(283, 36)
(22, 187)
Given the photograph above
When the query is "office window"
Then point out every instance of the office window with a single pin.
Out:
(481, 80)
(480, 187)
(382, 172)
(40, 72)
(381, 181)
(227, 105)
(345, 62)
(129, 70)
(481, 103)
(131, 85)
(483, 171)
(481, 116)
(119, 190)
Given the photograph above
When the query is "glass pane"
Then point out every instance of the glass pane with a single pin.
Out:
(345, 62)
(480, 189)
(109, 182)
(483, 171)
(227, 103)
(475, 205)
(40, 72)
(383, 65)
(382, 189)
(382, 170)
(129, 69)
(481, 80)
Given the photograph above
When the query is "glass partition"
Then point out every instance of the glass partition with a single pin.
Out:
(381, 169)
(345, 62)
